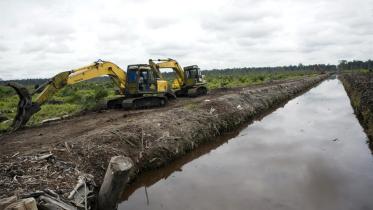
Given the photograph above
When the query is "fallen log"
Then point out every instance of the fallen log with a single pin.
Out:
(23, 204)
(7, 201)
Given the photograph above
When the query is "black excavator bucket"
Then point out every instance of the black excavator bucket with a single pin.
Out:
(26, 108)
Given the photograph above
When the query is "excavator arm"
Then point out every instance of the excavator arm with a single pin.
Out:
(169, 63)
(189, 80)
(27, 107)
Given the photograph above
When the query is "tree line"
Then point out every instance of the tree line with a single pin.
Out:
(343, 65)
(355, 64)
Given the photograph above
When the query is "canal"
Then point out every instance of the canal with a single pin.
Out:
(309, 154)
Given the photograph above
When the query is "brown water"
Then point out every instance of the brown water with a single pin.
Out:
(310, 154)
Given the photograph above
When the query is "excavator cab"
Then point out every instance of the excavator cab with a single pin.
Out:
(144, 88)
(141, 79)
(193, 75)
(188, 82)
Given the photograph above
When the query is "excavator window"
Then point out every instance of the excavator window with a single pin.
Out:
(146, 79)
(132, 76)
(192, 73)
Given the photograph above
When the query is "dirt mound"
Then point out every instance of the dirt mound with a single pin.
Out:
(359, 87)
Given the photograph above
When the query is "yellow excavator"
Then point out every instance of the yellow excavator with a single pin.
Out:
(139, 87)
(189, 80)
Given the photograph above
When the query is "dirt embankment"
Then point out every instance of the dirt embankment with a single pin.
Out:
(359, 87)
(54, 155)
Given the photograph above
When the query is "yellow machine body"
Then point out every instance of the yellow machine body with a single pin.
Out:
(162, 86)
(142, 87)
(188, 82)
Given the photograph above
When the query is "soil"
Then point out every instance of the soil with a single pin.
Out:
(359, 87)
(53, 155)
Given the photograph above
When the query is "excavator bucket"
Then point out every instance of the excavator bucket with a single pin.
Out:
(26, 108)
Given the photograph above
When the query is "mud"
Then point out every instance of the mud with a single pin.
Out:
(151, 138)
(359, 87)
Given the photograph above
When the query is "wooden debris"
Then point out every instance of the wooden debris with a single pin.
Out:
(47, 202)
(15, 154)
(67, 147)
(122, 139)
(44, 156)
(7, 201)
(83, 191)
(23, 204)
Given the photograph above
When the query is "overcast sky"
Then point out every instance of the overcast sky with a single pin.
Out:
(42, 38)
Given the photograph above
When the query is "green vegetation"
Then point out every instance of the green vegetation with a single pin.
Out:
(251, 78)
(88, 95)
(355, 65)
(68, 101)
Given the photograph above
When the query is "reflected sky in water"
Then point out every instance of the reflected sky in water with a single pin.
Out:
(310, 154)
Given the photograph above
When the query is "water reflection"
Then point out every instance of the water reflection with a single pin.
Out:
(311, 154)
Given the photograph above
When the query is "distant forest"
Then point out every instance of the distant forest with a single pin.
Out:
(351, 65)
(343, 65)
(244, 70)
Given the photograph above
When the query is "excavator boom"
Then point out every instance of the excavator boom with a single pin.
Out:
(189, 80)
(172, 64)
(27, 107)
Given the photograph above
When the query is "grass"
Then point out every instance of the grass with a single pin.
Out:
(68, 101)
(355, 71)
(251, 78)
(87, 95)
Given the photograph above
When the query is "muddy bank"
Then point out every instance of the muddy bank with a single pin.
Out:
(359, 87)
(53, 156)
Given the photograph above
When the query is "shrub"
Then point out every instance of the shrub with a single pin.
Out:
(100, 94)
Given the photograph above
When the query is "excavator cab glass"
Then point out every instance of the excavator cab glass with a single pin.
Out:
(193, 75)
(146, 80)
(141, 79)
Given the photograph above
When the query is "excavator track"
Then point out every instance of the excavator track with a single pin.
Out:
(144, 102)
(137, 103)
(192, 92)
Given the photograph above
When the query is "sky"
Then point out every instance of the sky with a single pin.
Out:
(40, 38)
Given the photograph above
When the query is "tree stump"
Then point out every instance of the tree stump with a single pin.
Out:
(116, 178)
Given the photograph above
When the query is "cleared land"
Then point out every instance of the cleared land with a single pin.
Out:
(151, 138)
(90, 95)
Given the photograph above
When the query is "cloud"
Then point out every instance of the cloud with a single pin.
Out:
(50, 36)
(45, 45)
(57, 30)
(164, 50)
(160, 22)
(31, 47)
(3, 47)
